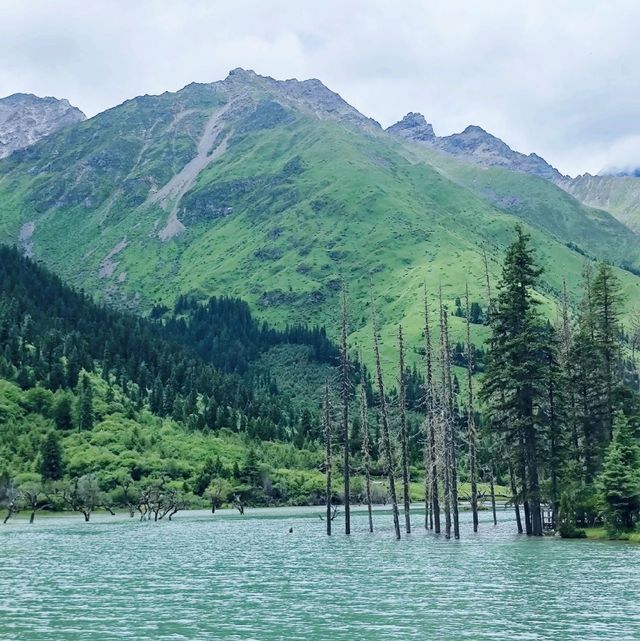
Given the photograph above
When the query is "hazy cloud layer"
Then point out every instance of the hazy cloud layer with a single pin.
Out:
(561, 78)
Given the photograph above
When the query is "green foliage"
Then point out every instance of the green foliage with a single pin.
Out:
(84, 409)
(293, 202)
(619, 481)
(51, 462)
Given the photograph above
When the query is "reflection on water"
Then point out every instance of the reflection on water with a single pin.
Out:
(204, 577)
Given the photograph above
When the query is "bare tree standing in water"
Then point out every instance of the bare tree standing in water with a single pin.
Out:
(386, 439)
(402, 401)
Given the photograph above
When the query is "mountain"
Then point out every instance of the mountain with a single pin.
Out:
(615, 191)
(137, 398)
(25, 119)
(272, 191)
(474, 145)
(617, 194)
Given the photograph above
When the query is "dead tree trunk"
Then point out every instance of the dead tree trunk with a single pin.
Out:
(444, 425)
(366, 451)
(402, 401)
(431, 467)
(514, 497)
(386, 439)
(471, 426)
(327, 460)
(449, 421)
(493, 492)
(344, 390)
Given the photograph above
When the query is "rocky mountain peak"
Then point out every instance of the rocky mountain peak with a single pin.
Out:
(413, 126)
(473, 144)
(308, 95)
(25, 119)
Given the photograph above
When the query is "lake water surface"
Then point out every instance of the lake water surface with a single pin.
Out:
(204, 577)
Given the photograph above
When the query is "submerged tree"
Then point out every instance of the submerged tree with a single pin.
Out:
(366, 449)
(386, 438)
(432, 499)
(328, 463)
(471, 425)
(345, 395)
(404, 439)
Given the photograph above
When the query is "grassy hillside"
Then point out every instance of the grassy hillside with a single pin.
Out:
(274, 192)
(619, 195)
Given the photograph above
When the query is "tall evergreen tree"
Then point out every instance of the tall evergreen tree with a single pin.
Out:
(514, 384)
(51, 463)
(619, 481)
(84, 410)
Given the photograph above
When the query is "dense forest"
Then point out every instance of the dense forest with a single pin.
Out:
(101, 408)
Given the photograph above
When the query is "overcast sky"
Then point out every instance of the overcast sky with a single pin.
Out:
(561, 77)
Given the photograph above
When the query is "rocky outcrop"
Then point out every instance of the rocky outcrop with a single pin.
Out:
(475, 145)
(306, 95)
(25, 119)
(413, 127)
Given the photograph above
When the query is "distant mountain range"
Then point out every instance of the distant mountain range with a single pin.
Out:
(275, 190)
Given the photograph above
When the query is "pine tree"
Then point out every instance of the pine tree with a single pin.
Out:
(516, 370)
(619, 481)
(84, 408)
(51, 463)
(607, 300)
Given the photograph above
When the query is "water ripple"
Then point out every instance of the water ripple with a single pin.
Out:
(203, 577)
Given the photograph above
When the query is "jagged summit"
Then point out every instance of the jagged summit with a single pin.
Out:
(474, 144)
(25, 119)
(413, 126)
(310, 95)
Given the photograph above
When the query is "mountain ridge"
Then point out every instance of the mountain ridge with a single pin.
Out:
(293, 190)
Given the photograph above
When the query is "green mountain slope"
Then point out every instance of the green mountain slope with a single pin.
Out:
(619, 195)
(273, 191)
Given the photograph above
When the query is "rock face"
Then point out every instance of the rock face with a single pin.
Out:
(413, 127)
(25, 119)
(474, 145)
(308, 95)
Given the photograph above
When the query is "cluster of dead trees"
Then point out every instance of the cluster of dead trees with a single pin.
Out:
(441, 432)
(153, 500)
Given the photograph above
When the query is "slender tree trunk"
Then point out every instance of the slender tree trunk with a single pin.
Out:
(493, 494)
(445, 415)
(327, 461)
(523, 469)
(471, 427)
(386, 439)
(514, 497)
(402, 394)
(450, 422)
(366, 452)
(344, 388)
(430, 433)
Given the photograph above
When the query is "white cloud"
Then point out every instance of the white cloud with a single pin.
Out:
(557, 77)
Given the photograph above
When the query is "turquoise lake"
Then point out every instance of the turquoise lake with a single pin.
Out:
(203, 577)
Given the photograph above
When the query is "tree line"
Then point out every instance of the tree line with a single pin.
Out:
(555, 414)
